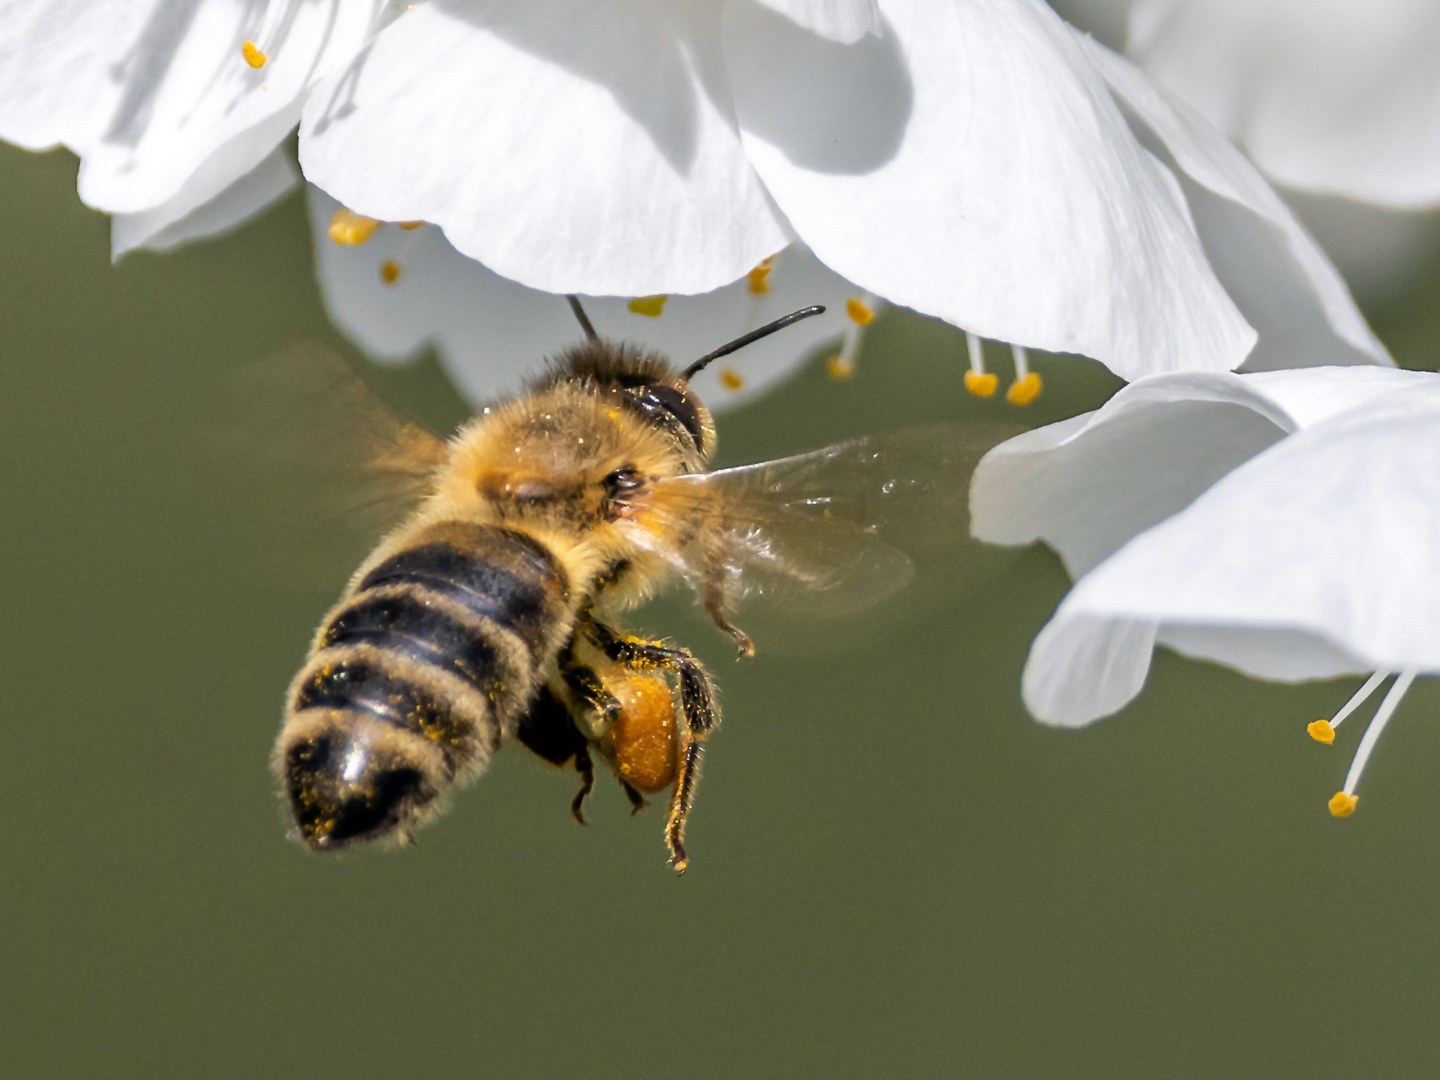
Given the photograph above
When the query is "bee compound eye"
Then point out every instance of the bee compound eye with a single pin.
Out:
(622, 480)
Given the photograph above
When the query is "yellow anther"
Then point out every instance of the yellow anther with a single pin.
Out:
(839, 367)
(731, 379)
(410, 225)
(253, 56)
(1342, 805)
(756, 277)
(860, 314)
(389, 271)
(1321, 731)
(648, 305)
(981, 383)
(1023, 391)
(349, 229)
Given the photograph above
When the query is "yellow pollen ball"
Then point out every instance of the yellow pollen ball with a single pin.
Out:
(756, 277)
(1321, 731)
(1023, 391)
(253, 56)
(731, 379)
(859, 314)
(389, 271)
(410, 226)
(839, 368)
(349, 229)
(1343, 805)
(981, 383)
(648, 305)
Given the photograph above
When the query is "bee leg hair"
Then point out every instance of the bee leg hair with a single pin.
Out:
(697, 705)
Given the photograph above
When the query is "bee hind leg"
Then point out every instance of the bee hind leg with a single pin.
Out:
(548, 731)
(698, 708)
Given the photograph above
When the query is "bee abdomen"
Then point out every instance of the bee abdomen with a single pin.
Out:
(416, 679)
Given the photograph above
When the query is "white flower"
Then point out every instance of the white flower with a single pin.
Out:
(158, 100)
(968, 161)
(1337, 96)
(967, 158)
(1286, 524)
(406, 289)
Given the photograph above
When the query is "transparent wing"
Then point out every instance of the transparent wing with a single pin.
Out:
(828, 534)
(314, 459)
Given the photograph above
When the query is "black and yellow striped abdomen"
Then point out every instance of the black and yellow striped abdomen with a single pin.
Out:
(417, 676)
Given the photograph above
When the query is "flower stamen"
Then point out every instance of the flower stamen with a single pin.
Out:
(650, 306)
(1372, 736)
(978, 381)
(349, 229)
(1027, 385)
(1323, 731)
(256, 51)
(756, 277)
(861, 310)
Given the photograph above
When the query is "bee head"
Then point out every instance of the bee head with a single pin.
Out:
(649, 384)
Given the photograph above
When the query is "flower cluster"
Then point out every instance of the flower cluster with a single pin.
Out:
(696, 167)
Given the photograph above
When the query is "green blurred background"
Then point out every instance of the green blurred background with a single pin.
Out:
(895, 873)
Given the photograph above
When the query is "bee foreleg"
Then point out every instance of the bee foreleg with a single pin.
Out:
(697, 706)
(715, 608)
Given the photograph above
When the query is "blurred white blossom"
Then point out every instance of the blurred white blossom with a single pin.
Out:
(1332, 96)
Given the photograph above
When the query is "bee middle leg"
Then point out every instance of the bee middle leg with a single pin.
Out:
(697, 704)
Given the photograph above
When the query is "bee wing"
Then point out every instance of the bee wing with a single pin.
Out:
(316, 458)
(826, 534)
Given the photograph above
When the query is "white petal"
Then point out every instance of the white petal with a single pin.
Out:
(198, 212)
(569, 145)
(1284, 284)
(146, 91)
(970, 163)
(491, 333)
(1081, 668)
(1333, 533)
(839, 20)
(1329, 95)
(1087, 485)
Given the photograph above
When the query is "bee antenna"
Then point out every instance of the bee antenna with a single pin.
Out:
(754, 335)
(583, 319)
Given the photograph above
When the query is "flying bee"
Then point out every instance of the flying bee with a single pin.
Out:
(491, 613)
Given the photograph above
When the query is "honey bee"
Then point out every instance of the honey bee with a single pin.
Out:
(490, 614)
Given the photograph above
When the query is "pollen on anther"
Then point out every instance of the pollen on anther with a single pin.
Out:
(253, 56)
(731, 379)
(981, 383)
(757, 277)
(1024, 390)
(349, 229)
(1321, 731)
(648, 305)
(1343, 805)
(410, 226)
(390, 271)
(839, 367)
(859, 312)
